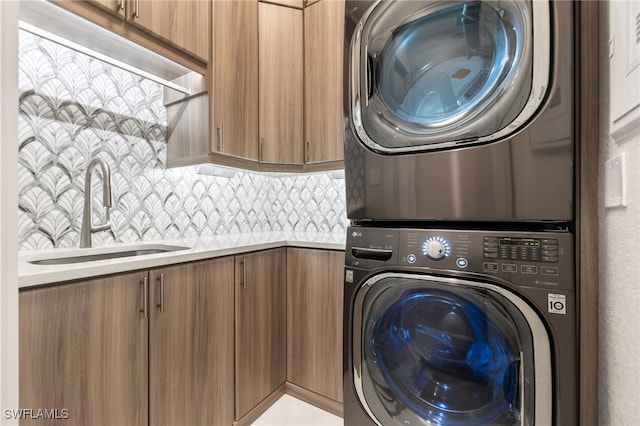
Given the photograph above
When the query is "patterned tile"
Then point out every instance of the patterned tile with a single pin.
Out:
(74, 109)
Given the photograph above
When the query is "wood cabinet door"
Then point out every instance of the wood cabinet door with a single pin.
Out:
(314, 320)
(235, 76)
(260, 327)
(324, 44)
(281, 85)
(291, 3)
(115, 6)
(83, 348)
(191, 344)
(184, 23)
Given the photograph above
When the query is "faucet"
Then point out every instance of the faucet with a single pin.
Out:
(87, 226)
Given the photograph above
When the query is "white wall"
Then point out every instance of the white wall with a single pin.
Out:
(8, 214)
(619, 248)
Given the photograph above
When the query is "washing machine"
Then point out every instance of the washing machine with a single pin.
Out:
(459, 110)
(459, 327)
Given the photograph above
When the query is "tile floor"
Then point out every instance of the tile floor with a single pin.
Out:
(290, 411)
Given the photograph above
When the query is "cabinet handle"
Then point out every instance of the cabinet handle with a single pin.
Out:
(160, 305)
(243, 277)
(121, 5)
(220, 143)
(261, 149)
(145, 294)
(136, 13)
(306, 152)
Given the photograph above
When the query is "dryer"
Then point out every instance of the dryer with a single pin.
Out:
(459, 110)
(459, 327)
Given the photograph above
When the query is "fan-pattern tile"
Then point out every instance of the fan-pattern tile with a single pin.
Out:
(74, 108)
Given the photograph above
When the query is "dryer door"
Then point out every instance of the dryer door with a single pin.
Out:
(441, 351)
(436, 74)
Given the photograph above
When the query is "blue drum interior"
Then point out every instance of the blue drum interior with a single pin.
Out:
(442, 65)
(444, 355)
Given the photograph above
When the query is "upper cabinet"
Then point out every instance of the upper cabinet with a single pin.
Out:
(234, 102)
(275, 94)
(185, 24)
(177, 29)
(323, 39)
(281, 84)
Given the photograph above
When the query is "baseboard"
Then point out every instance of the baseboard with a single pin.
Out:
(313, 398)
(257, 411)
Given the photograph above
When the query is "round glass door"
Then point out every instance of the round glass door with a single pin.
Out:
(446, 352)
(434, 74)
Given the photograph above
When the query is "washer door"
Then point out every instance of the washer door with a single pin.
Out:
(436, 74)
(441, 351)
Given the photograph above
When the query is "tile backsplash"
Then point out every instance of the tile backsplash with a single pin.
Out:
(74, 108)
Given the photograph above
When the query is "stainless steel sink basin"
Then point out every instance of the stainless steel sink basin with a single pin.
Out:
(125, 252)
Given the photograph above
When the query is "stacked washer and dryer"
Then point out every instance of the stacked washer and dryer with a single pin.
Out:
(460, 303)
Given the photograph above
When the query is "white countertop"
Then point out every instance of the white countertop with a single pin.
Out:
(198, 249)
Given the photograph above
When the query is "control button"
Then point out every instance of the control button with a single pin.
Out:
(553, 259)
(491, 255)
(528, 269)
(549, 270)
(491, 250)
(462, 262)
(490, 267)
(490, 244)
(549, 252)
(550, 242)
(411, 258)
(509, 267)
(550, 247)
(491, 239)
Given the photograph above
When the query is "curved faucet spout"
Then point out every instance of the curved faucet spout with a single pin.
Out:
(87, 226)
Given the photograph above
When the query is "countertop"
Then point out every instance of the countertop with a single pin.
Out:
(198, 249)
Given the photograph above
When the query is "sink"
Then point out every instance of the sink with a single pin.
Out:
(125, 252)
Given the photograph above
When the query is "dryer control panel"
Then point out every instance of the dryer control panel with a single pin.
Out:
(537, 259)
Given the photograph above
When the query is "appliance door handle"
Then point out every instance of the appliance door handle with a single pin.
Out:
(371, 253)
(368, 76)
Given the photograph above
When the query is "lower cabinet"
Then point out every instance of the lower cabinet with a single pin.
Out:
(191, 344)
(132, 349)
(200, 343)
(83, 349)
(314, 319)
(261, 327)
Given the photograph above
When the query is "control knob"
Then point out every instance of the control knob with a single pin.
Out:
(436, 248)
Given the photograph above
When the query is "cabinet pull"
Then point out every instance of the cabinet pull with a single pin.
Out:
(120, 5)
(261, 149)
(145, 294)
(219, 129)
(243, 277)
(160, 305)
(306, 152)
(136, 13)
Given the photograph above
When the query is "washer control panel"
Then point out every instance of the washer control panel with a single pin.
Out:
(539, 259)
(533, 249)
